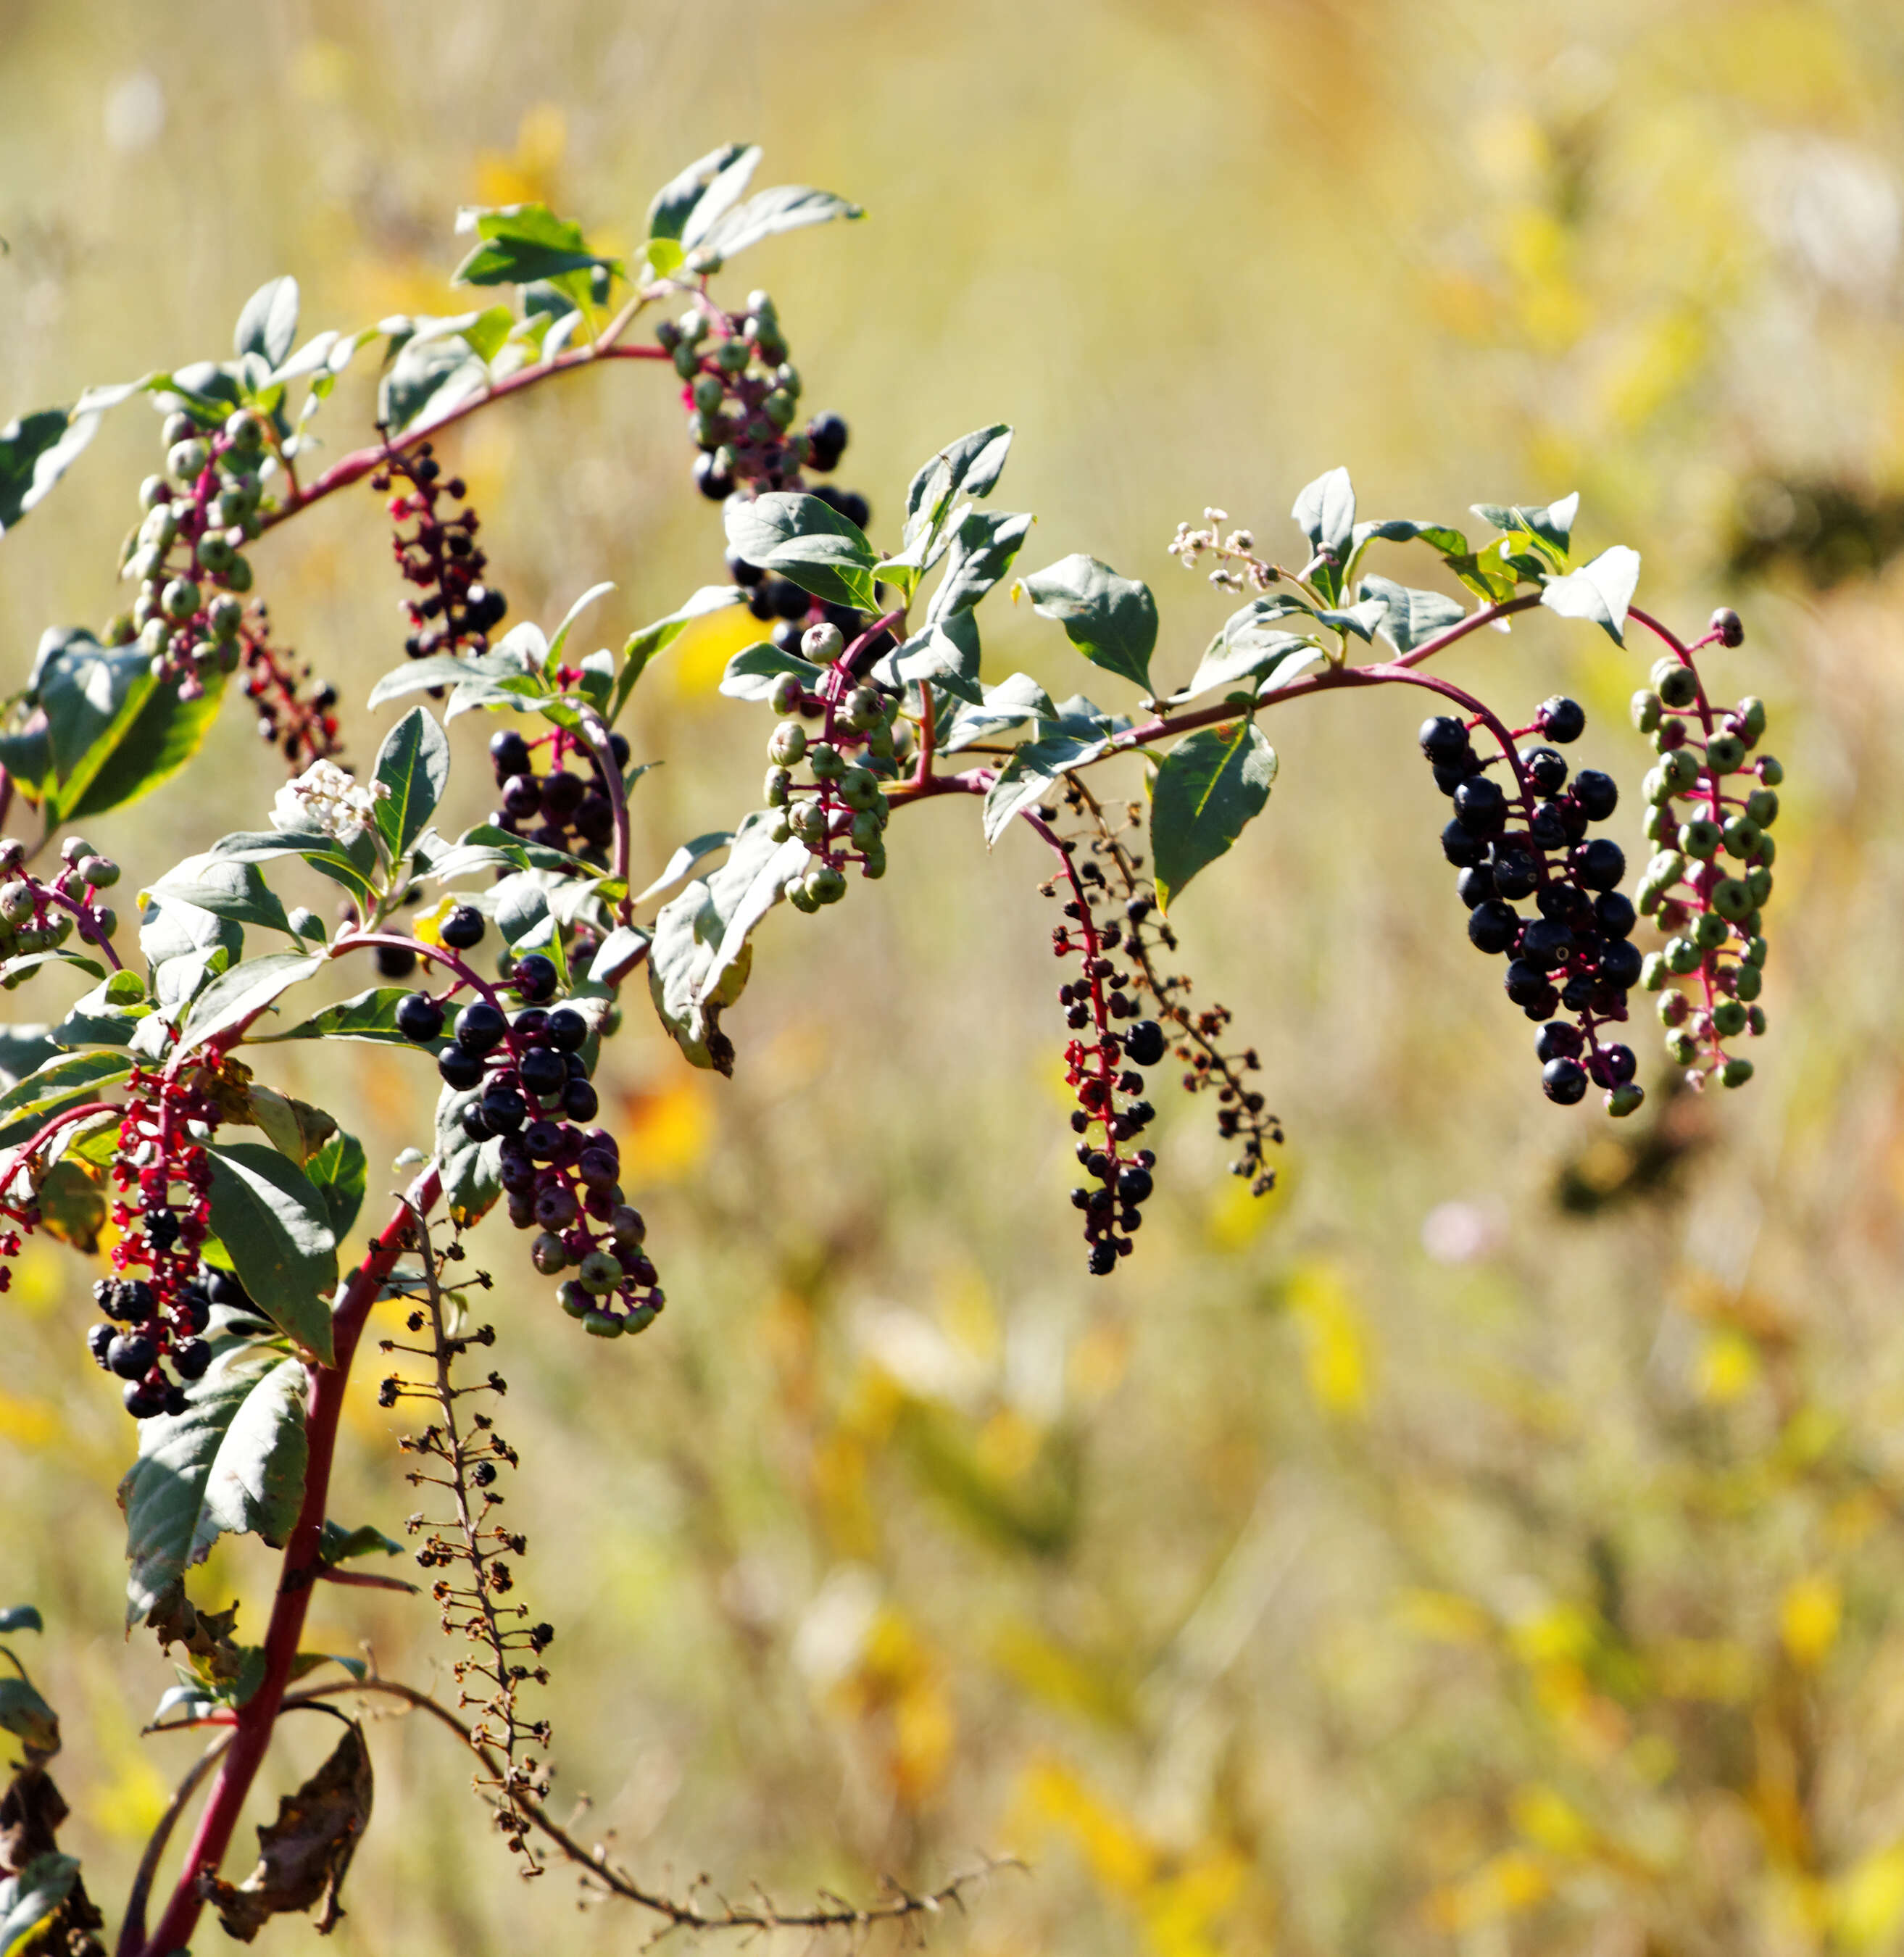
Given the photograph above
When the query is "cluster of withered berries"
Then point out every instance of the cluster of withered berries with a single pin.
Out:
(455, 611)
(525, 1076)
(1575, 954)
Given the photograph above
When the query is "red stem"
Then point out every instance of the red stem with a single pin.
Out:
(258, 1715)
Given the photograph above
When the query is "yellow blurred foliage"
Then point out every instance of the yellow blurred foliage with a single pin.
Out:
(1335, 1359)
(1810, 1614)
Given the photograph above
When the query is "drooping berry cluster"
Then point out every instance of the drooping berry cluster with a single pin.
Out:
(190, 616)
(1709, 905)
(1530, 840)
(1242, 1115)
(455, 611)
(37, 915)
(559, 808)
(840, 811)
(1102, 1064)
(527, 1080)
(159, 1302)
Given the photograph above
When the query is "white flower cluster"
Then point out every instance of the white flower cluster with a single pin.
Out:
(327, 798)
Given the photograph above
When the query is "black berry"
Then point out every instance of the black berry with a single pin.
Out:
(419, 1017)
(462, 928)
(1563, 720)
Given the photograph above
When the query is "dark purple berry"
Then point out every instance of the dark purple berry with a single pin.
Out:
(1564, 1081)
(1563, 720)
(1545, 943)
(458, 1068)
(1475, 885)
(503, 1110)
(1546, 768)
(223, 1287)
(1596, 793)
(1559, 1040)
(789, 601)
(1547, 831)
(598, 1168)
(579, 1101)
(1461, 849)
(1514, 873)
(419, 1018)
(543, 1139)
(1143, 1044)
(1480, 807)
(474, 1124)
(190, 1360)
(479, 1027)
(1614, 914)
(714, 482)
(536, 978)
(1443, 740)
(556, 1207)
(395, 961)
(741, 571)
(567, 1029)
(1525, 982)
(508, 754)
(1493, 927)
(562, 794)
(131, 1355)
(1598, 864)
(541, 1071)
(522, 797)
(1620, 964)
(1616, 1066)
(97, 1341)
(462, 928)
(855, 509)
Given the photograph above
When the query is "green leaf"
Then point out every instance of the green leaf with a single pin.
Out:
(505, 660)
(1411, 617)
(1208, 786)
(1553, 524)
(371, 1016)
(1361, 619)
(25, 1048)
(616, 955)
(1112, 621)
(91, 695)
(72, 1203)
(1010, 704)
(159, 739)
(700, 954)
(227, 886)
(684, 858)
(429, 379)
(722, 192)
(1450, 542)
(982, 551)
(970, 466)
(786, 207)
(20, 1617)
(1253, 655)
(26, 1716)
(338, 1545)
(236, 995)
(674, 202)
(294, 1128)
(184, 946)
(1486, 571)
(60, 1084)
(1600, 591)
(471, 1171)
(652, 640)
(233, 1463)
(340, 1172)
(1326, 512)
(751, 672)
(807, 541)
(942, 655)
(35, 451)
(413, 764)
(1031, 772)
(522, 242)
(30, 1901)
(275, 1224)
(269, 324)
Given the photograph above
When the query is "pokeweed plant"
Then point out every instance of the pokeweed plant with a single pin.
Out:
(504, 956)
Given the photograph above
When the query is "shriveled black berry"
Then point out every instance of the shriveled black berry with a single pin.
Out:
(161, 1229)
(462, 928)
(536, 978)
(1461, 848)
(1443, 740)
(1560, 720)
(1144, 1043)
(395, 961)
(419, 1017)
(1598, 864)
(479, 1026)
(1546, 768)
(1564, 1081)
(1493, 927)
(1480, 807)
(458, 1068)
(190, 1358)
(1599, 794)
(1613, 914)
(1558, 1040)
(1475, 885)
(567, 1029)
(1104, 1259)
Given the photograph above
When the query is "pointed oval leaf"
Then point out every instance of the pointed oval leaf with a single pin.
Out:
(673, 202)
(1210, 786)
(1112, 621)
(275, 1223)
(808, 542)
(413, 764)
(1600, 591)
(268, 325)
(1411, 617)
(1326, 511)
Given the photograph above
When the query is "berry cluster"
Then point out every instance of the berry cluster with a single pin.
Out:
(1708, 906)
(160, 1302)
(527, 1081)
(559, 808)
(190, 616)
(39, 916)
(1575, 954)
(456, 611)
(840, 812)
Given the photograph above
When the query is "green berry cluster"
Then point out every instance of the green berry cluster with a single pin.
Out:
(839, 811)
(36, 916)
(1712, 802)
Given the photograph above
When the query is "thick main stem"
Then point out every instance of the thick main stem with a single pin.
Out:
(258, 1715)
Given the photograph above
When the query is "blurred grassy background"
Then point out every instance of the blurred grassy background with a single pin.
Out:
(1489, 1544)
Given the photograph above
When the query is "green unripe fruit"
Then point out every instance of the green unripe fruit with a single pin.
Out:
(786, 743)
(1677, 685)
(1747, 982)
(237, 574)
(865, 710)
(1666, 868)
(306, 923)
(547, 1253)
(224, 615)
(708, 394)
(760, 302)
(824, 885)
(214, 551)
(611, 1023)
(626, 1227)
(106, 920)
(243, 430)
(145, 608)
(787, 379)
(1735, 1073)
(1758, 883)
(58, 928)
(1700, 838)
(857, 788)
(667, 335)
(144, 564)
(181, 598)
(825, 761)
(773, 792)
(159, 528)
(1682, 956)
(823, 644)
(865, 832)
(1646, 710)
(1762, 805)
(879, 744)
(731, 355)
(807, 820)
(121, 631)
(233, 507)
(707, 430)
(73, 848)
(99, 872)
(1673, 1008)
(874, 866)
(1681, 1048)
(1652, 974)
(17, 903)
(179, 426)
(1682, 768)
(600, 1271)
(686, 359)
(1731, 898)
(1660, 827)
(1771, 771)
(1755, 1021)
(154, 491)
(154, 637)
(1624, 1099)
(780, 829)
(1768, 850)
(602, 1325)
(800, 897)
(1709, 932)
(1725, 752)
(1668, 736)
(779, 407)
(692, 326)
(904, 741)
(1755, 953)
(1751, 713)
(760, 430)
(1728, 1019)
(1742, 836)
(573, 1299)
(787, 695)
(186, 460)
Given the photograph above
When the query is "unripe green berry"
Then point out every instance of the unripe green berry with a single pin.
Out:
(825, 762)
(1735, 1073)
(1660, 827)
(1682, 767)
(225, 614)
(1709, 932)
(858, 787)
(1742, 836)
(573, 1299)
(1725, 752)
(823, 643)
(807, 820)
(667, 335)
(773, 792)
(1754, 952)
(1747, 982)
(879, 744)
(1681, 1048)
(1623, 1099)
(1652, 973)
(786, 743)
(1762, 805)
(825, 884)
(1751, 713)
(186, 460)
(154, 637)
(866, 829)
(864, 709)
(693, 326)
(602, 1325)
(214, 551)
(1768, 850)
(707, 430)
(1670, 734)
(144, 564)
(1755, 1021)
(59, 927)
(1758, 883)
(1646, 710)
(153, 491)
(237, 574)
(787, 694)
(233, 507)
(1731, 898)
(73, 848)
(1728, 1019)
(874, 866)
(159, 528)
(1674, 1006)
(1677, 685)
(800, 897)
(599, 1272)
(106, 920)
(16, 903)
(1700, 838)
(780, 829)
(178, 426)
(181, 598)
(1771, 771)
(779, 408)
(99, 872)
(686, 359)
(708, 393)
(1682, 956)
(548, 1254)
